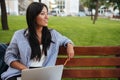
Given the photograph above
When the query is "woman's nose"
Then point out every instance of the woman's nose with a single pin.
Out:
(46, 16)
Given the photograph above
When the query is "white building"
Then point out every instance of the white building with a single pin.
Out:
(12, 7)
(70, 7)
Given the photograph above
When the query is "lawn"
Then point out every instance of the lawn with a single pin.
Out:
(105, 32)
(80, 30)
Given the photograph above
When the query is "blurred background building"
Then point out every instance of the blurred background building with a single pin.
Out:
(56, 7)
(59, 8)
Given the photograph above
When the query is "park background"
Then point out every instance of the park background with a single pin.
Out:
(81, 30)
(78, 27)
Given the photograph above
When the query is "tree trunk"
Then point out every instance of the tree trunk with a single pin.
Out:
(39, 0)
(91, 15)
(96, 11)
(4, 15)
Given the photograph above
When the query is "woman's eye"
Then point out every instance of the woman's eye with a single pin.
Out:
(42, 13)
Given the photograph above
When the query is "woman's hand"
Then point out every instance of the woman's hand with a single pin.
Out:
(18, 65)
(70, 50)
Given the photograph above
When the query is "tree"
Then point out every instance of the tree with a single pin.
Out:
(39, 0)
(93, 4)
(96, 10)
(116, 3)
(4, 15)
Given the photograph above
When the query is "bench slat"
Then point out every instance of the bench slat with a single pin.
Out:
(94, 73)
(105, 50)
(90, 61)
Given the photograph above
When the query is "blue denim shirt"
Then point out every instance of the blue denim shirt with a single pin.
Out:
(19, 49)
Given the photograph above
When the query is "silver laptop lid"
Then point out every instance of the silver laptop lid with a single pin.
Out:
(45, 73)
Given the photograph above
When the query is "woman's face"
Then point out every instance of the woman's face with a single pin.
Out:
(42, 18)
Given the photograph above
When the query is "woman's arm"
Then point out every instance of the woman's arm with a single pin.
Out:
(64, 41)
(12, 55)
(70, 50)
(18, 65)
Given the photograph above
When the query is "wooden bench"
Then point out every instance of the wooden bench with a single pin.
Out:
(92, 62)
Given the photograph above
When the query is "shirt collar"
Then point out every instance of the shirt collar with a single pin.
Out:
(26, 32)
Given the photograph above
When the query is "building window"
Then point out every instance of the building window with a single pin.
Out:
(61, 5)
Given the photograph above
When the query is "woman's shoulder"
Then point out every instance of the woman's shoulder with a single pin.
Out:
(19, 31)
(53, 31)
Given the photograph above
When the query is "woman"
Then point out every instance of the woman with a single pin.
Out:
(36, 46)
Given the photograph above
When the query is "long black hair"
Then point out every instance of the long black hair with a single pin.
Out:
(33, 11)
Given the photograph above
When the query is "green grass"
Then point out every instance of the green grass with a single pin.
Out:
(15, 23)
(105, 32)
(84, 33)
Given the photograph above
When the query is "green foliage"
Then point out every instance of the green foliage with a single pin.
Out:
(91, 3)
(105, 32)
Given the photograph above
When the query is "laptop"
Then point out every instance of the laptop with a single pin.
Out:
(45, 73)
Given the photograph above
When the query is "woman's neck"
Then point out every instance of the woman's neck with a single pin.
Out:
(39, 29)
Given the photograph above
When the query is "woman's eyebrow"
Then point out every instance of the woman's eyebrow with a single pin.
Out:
(44, 11)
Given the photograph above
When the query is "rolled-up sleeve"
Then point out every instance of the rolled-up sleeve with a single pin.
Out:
(12, 51)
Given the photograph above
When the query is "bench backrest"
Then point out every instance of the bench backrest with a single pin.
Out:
(92, 62)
